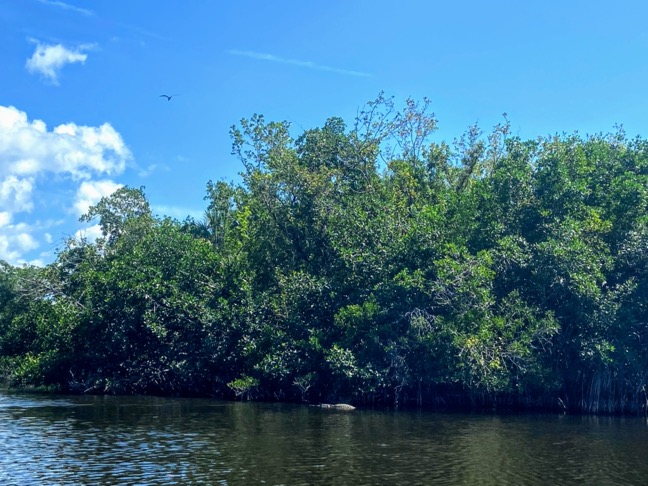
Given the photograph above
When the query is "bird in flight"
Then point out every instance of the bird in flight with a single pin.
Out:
(168, 97)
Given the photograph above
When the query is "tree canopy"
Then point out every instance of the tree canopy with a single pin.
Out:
(367, 262)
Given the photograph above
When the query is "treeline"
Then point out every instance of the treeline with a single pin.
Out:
(366, 263)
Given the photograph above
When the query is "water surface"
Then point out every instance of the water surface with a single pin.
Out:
(149, 440)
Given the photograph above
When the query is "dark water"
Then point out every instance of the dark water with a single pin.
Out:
(126, 440)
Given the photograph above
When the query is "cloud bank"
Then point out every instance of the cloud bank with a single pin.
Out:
(33, 157)
(48, 60)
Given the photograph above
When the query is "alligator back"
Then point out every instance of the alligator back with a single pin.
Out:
(337, 406)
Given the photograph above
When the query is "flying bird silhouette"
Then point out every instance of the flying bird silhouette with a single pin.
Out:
(168, 97)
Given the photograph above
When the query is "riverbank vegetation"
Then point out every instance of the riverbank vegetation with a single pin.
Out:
(363, 262)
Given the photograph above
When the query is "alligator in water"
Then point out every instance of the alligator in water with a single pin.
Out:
(336, 406)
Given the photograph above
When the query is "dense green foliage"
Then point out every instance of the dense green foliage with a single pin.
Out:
(365, 263)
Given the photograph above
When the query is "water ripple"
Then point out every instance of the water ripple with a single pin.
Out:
(140, 440)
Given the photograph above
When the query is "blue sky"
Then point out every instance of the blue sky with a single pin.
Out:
(80, 85)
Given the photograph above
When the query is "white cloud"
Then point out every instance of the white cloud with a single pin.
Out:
(36, 262)
(67, 6)
(31, 157)
(89, 234)
(260, 56)
(15, 194)
(147, 171)
(5, 218)
(48, 60)
(28, 148)
(91, 192)
(15, 241)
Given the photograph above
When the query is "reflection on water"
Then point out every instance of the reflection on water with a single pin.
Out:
(146, 440)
